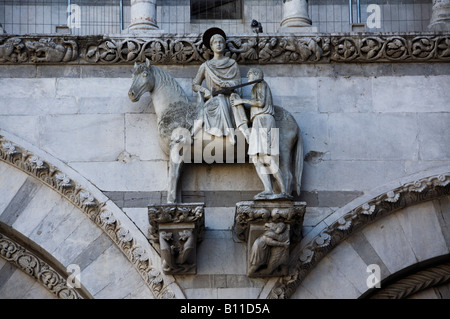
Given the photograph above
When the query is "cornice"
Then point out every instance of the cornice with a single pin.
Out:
(170, 49)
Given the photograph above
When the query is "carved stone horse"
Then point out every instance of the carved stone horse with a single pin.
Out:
(175, 112)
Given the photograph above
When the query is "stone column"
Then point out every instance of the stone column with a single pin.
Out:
(143, 15)
(295, 15)
(440, 16)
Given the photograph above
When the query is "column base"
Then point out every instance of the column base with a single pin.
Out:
(358, 27)
(143, 26)
(296, 22)
(309, 29)
(440, 26)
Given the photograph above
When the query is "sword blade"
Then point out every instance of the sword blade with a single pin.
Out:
(232, 88)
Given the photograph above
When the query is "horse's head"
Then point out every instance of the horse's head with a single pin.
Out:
(143, 81)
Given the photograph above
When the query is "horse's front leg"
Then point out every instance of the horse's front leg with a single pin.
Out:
(176, 160)
(174, 176)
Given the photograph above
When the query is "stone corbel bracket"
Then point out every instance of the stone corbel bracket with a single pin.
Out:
(268, 228)
(175, 230)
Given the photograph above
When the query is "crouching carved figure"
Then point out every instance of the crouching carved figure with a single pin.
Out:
(270, 251)
(178, 251)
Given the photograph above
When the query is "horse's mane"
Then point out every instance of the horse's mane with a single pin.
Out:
(165, 79)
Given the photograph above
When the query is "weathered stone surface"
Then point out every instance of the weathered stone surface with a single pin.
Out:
(140, 130)
(362, 136)
(338, 286)
(410, 94)
(92, 138)
(337, 95)
(147, 175)
(91, 87)
(113, 268)
(219, 218)
(19, 106)
(413, 221)
(9, 192)
(219, 254)
(30, 88)
(433, 136)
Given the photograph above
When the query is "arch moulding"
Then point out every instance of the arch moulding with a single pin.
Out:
(408, 191)
(95, 205)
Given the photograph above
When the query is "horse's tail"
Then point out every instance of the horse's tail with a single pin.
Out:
(298, 161)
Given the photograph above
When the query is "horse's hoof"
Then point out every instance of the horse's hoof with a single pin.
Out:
(263, 196)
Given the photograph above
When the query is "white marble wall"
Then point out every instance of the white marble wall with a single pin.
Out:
(366, 124)
(378, 126)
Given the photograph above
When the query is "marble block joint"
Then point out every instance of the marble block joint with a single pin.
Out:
(175, 230)
(269, 228)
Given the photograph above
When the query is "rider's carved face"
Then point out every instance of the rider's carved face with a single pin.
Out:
(217, 43)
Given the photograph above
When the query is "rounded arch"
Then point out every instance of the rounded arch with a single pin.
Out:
(32, 272)
(396, 208)
(67, 217)
(415, 281)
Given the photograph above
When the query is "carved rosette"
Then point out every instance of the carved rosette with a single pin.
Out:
(304, 259)
(246, 49)
(175, 230)
(97, 211)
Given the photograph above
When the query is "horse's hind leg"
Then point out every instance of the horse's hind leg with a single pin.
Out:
(285, 167)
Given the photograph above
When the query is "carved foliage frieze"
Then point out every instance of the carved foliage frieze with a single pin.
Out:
(38, 269)
(246, 49)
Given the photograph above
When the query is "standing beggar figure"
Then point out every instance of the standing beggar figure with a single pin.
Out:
(219, 73)
(264, 136)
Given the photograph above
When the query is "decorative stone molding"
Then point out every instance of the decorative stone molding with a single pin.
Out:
(38, 269)
(307, 254)
(176, 229)
(419, 281)
(268, 228)
(95, 209)
(246, 49)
